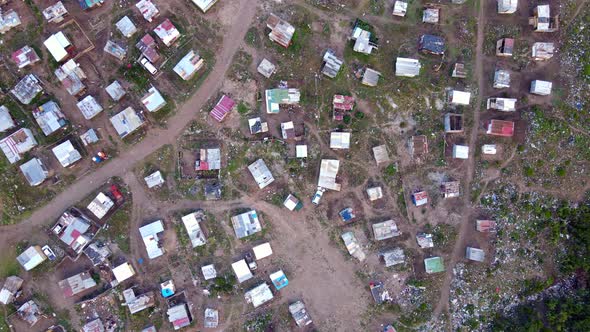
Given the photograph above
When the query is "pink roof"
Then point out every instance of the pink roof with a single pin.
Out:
(148, 40)
(222, 109)
(345, 103)
(501, 128)
(166, 25)
(203, 166)
(181, 322)
(421, 195)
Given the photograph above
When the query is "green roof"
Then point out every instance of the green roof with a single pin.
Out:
(434, 265)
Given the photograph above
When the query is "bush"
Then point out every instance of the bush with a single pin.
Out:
(528, 171)
(359, 115)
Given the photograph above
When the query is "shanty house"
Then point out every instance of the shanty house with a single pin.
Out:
(542, 21)
(209, 272)
(101, 205)
(485, 226)
(29, 312)
(123, 272)
(242, 271)
(208, 160)
(420, 198)
(407, 67)
(261, 173)
(281, 31)
(474, 254)
(71, 228)
(211, 317)
(339, 140)
(154, 180)
(332, 64)
(281, 96)
(328, 173)
(385, 230)
(193, 228)
(347, 214)
(188, 66)
(500, 128)
(6, 121)
(374, 193)
(89, 107)
(257, 126)
(49, 117)
(400, 8)
(453, 123)
(505, 47)
(362, 40)
(17, 143)
(8, 20)
(126, 122)
(179, 316)
(501, 79)
(89, 137)
(370, 77)
(246, 224)
(380, 154)
(354, 248)
(288, 130)
(299, 314)
(301, 151)
(148, 48)
(25, 56)
(507, 6)
(71, 75)
(147, 9)
(66, 153)
(432, 44)
(115, 90)
(76, 284)
(458, 97)
(393, 257)
(150, 235)
(116, 50)
(153, 100)
(223, 107)
(434, 265)
(95, 325)
(262, 251)
(431, 15)
(138, 303)
(424, 240)
(489, 149)
(259, 295)
(341, 105)
(459, 70)
(379, 293)
(450, 189)
(541, 88)
(266, 68)
(460, 151)
(167, 32)
(502, 104)
(543, 51)
(55, 13)
(89, 4)
(126, 27)
(10, 290)
(418, 146)
(59, 46)
(27, 89)
(34, 171)
(204, 5)
(97, 253)
(31, 257)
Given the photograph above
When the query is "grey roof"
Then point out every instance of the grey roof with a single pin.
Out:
(393, 257)
(66, 153)
(34, 171)
(385, 230)
(246, 224)
(89, 137)
(97, 254)
(73, 226)
(211, 318)
(266, 68)
(331, 64)
(261, 173)
(501, 78)
(475, 254)
(115, 50)
(76, 284)
(6, 121)
(299, 314)
(115, 90)
(126, 26)
(407, 67)
(71, 75)
(371, 77)
(126, 122)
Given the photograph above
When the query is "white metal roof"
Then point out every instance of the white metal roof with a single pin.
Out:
(340, 140)
(460, 151)
(126, 121)
(259, 295)
(507, 6)
(460, 97)
(149, 233)
(123, 272)
(6, 121)
(301, 151)
(542, 88)
(204, 5)
(154, 179)
(126, 26)
(66, 153)
(153, 100)
(101, 205)
(502, 104)
(261, 173)
(266, 68)
(56, 45)
(328, 172)
(188, 65)
(115, 90)
(89, 107)
(262, 251)
(242, 270)
(193, 228)
(400, 8)
(31, 257)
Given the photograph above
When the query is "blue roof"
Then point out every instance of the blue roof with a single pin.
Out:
(167, 292)
(433, 44)
(85, 4)
(347, 214)
(280, 282)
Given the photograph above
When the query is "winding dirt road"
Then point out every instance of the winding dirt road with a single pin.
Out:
(155, 138)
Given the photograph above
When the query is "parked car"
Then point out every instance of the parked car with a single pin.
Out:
(251, 262)
(49, 253)
(149, 66)
(318, 195)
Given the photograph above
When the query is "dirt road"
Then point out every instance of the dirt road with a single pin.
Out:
(156, 138)
(466, 223)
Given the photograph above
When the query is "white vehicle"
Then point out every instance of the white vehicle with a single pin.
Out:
(318, 195)
(148, 65)
(49, 253)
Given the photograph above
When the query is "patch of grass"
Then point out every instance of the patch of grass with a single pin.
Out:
(243, 109)
(118, 228)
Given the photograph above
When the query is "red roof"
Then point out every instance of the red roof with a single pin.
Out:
(166, 25)
(203, 166)
(501, 128)
(222, 109)
(181, 322)
(345, 103)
